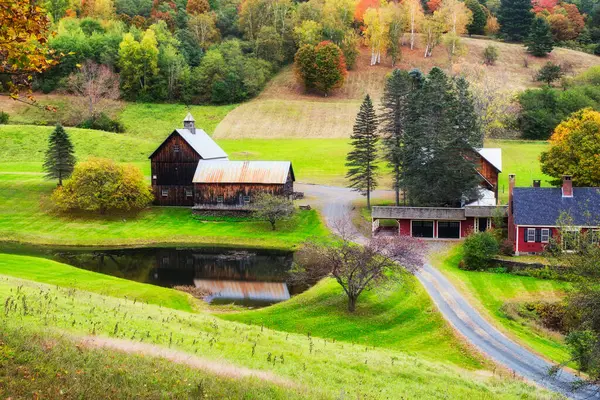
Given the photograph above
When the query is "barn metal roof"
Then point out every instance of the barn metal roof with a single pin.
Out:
(224, 171)
(492, 155)
(202, 144)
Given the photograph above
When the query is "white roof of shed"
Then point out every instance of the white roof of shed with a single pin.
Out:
(203, 144)
(224, 171)
(493, 156)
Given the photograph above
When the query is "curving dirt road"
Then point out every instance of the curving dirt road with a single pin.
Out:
(335, 203)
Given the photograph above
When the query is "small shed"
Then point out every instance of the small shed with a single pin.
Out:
(234, 184)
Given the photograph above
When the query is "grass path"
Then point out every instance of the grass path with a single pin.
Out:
(488, 292)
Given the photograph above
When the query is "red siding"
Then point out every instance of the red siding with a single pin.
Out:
(466, 227)
(531, 247)
(404, 226)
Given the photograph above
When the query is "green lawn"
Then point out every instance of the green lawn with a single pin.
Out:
(154, 122)
(314, 368)
(399, 317)
(519, 157)
(490, 291)
(25, 216)
(55, 273)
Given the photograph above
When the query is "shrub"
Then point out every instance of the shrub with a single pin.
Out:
(549, 73)
(320, 67)
(490, 55)
(103, 122)
(506, 247)
(3, 118)
(102, 185)
(479, 248)
(581, 345)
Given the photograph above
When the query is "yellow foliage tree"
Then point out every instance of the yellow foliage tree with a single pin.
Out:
(575, 149)
(376, 21)
(455, 16)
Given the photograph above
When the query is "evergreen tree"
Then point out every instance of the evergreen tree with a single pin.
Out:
(515, 19)
(477, 25)
(467, 121)
(394, 116)
(540, 42)
(438, 167)
(60, 156)
(362, 160)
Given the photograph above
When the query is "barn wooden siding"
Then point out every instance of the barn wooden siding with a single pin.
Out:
(233, 193)
(173, 171)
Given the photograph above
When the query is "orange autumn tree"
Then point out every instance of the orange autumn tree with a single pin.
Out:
(362, 6)
(433, 5)
(575, 149)
(24, 32)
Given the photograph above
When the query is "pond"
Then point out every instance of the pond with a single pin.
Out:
(248, 277)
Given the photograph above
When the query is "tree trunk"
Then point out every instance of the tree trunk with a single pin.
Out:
(272, 224)
(369, 198)
(351, 304)
(59, 178)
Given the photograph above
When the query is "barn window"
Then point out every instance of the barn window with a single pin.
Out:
(165, 192)
(545, 235)
(595, 236)
(246, 199)
(188, 192)
(153, 176)
(531, 234)
(220, 199)
(176, 148)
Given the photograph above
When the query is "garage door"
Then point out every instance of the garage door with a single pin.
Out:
(422, 229)
(449, 229)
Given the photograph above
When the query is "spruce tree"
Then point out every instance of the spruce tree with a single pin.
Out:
(477, 25)
(438, 167)
(393, 119)
(362, 160)
(540, 42)
(60, 156)
(515, 19)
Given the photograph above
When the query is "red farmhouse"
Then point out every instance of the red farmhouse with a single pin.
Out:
(534, 212)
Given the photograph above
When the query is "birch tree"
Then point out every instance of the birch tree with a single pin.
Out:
(375, 33)
(414, 15)
(432, 28)
(456, 16)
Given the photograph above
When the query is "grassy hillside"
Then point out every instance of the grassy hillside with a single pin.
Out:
(398, 318)
(489, 292)
(314, 368)
(284, 110)
(58, 274)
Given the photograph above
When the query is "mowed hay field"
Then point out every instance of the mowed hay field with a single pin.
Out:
(284, 110)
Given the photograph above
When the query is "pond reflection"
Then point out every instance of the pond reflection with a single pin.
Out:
(245, 277)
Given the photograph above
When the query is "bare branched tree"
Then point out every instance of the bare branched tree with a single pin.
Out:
(358, 268)
(94, 82)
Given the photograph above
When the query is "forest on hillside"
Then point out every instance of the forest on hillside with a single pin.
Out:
(225, 51)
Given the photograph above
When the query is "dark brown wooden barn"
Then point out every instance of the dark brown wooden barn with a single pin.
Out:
(190, 169)
(232, 185)
(174, 163)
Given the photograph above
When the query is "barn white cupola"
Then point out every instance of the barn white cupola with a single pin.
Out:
(189, 123)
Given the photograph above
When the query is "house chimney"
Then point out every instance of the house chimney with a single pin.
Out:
(537, 183)
(567, 186)
(511, 221)
(189, 123)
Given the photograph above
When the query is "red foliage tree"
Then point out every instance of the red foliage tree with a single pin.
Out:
(362, 6)
(197, 6)
(433, 5)
(320, 67)
(541, 5)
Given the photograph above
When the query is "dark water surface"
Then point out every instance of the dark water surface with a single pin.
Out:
(248, 277)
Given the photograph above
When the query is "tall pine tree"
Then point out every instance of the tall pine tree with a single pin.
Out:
(60, 156)
(438, 167)
(515, 19)
(362, 160)
(393, 119)
(540, 42)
